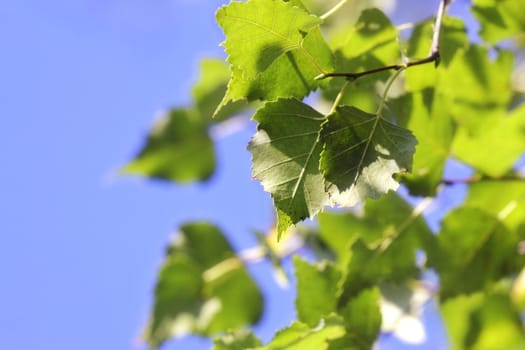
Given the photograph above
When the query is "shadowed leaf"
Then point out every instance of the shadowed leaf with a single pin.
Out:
(361, 154)
(285, 152)
(177, 148)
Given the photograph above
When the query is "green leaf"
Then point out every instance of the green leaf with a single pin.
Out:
(483, 322)
(316, 290)
(199, 288)
(500, 19)
(425, 113)
(475, 250)
(478, 88)
(383, 220)
(452, 41)
(337, 231)
(362, 317)
(210, 89)
(285, 152)
(390, 232)
(495, 149)
(290, 75)
(504, 199)
(300, 336)
(370, 43)
(259, 31)
(361, 154)
(177, 148)
(237, 340)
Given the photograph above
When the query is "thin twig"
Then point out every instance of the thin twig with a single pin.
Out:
(333, 9)
(432, 57)
(477, 179)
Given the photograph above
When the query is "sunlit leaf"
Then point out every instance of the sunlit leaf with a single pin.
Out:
(483, 322)
(199, 288)
(367, 44)
(370, 43)
(238, 340)
(426, 114)
(475, 250)
(316, 290)
(382, 220)
(452, 41)
(494, 150)
(210, 89)
(300, 336)
(285, 152)
(504, 199)
(177, 148)
(361, 154)
(478, 88)
(500, 19)
(363, 318)
(389, 233)
(290, 75)
(259, 31)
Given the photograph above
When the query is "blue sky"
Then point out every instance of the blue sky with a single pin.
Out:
(80, 83)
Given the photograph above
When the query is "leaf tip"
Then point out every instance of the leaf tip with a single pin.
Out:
(284, 222)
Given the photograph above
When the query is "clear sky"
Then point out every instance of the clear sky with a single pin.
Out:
(80, 84)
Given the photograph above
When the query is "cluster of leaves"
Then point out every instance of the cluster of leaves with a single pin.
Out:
(359, 149)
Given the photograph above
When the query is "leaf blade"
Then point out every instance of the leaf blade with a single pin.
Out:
(178, 148)
(285, 153)
(361, 153)
(265, 30)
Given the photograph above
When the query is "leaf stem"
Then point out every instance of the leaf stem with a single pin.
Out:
(433, 56)
(333, 9)
(387, 88)
(339, 97)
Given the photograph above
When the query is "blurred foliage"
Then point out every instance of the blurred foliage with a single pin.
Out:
(350, 145)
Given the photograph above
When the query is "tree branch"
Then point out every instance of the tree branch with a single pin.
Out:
(433, 56)
(477, 179)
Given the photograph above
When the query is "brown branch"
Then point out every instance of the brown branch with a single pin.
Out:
(433, 56)
(477, 179)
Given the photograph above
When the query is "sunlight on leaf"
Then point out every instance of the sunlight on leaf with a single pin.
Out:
(300, 336)
(500, 19)
(285, 152)
(361, 154)
(316, 290)
(483, 321)
(290, 75)
(494, 150)
(259, 31)
(237, 340)
(210, 89)
(475, 250)
(432, 125)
